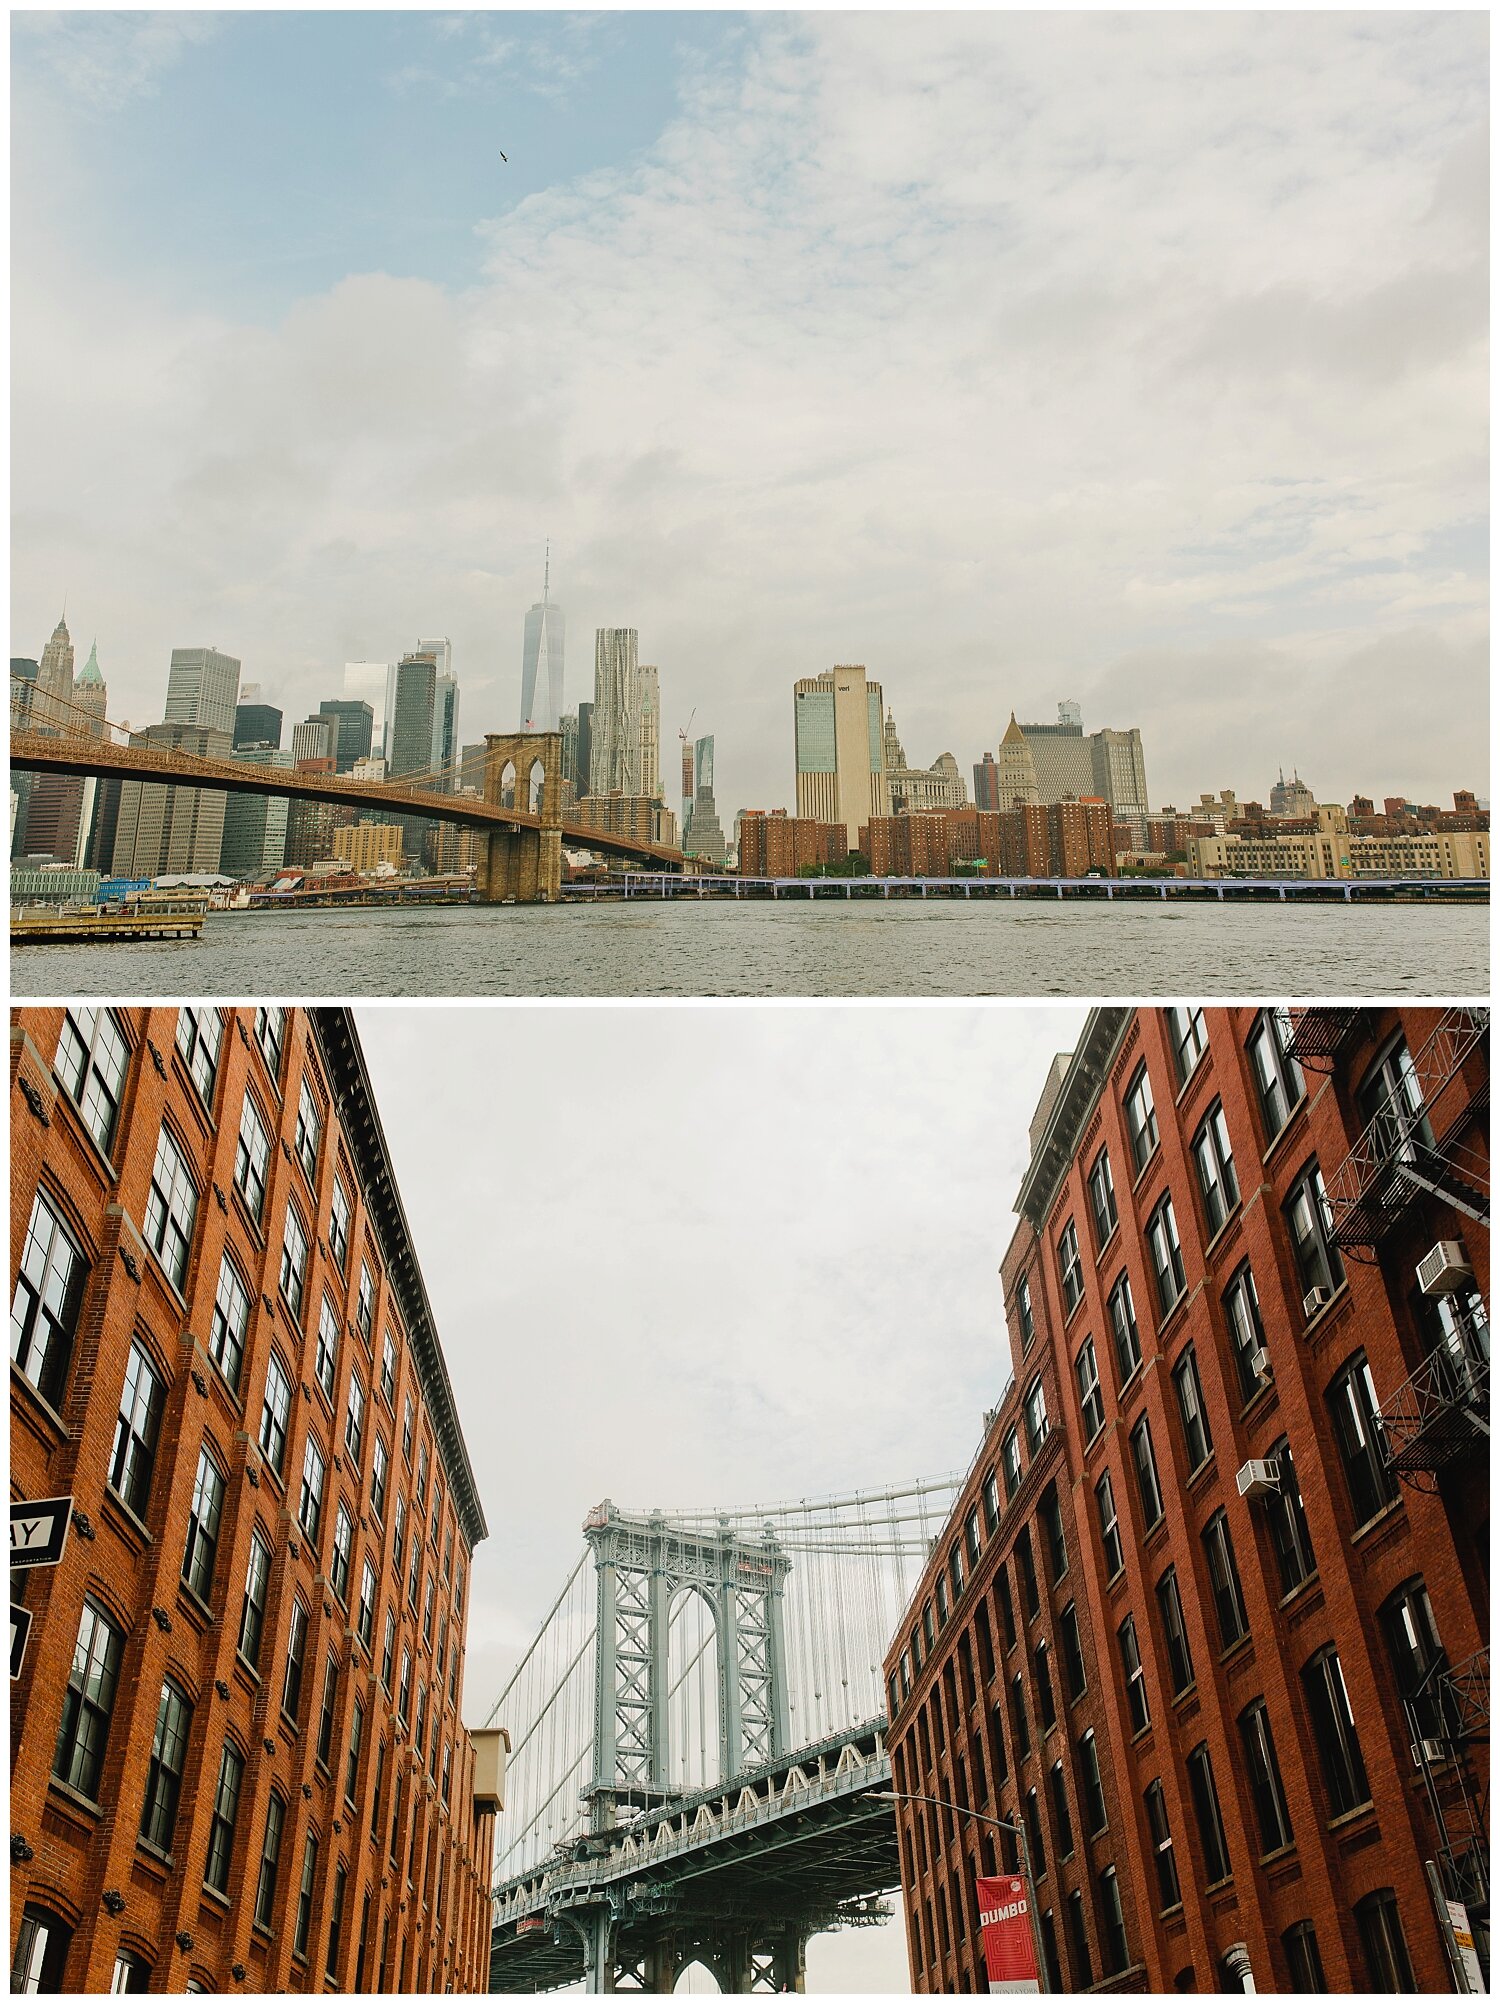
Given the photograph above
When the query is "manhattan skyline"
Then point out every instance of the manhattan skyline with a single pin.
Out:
(1135, 394)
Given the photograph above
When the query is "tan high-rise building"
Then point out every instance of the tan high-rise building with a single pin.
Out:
(1018, 782)
(52, 704)
(366, 844)
(840, 747)
(176, 830)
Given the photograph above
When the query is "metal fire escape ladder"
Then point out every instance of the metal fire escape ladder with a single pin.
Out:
(1456, 1700)
(1319, 1035)
(1443, 1408)
(1397, 1159)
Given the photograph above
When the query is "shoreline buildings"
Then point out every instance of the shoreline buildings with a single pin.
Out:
(238, 1752)
(1209, 1617)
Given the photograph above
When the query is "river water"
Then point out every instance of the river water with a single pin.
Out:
(1136, 950)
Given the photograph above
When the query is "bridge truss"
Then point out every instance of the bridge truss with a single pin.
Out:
(697, 1733)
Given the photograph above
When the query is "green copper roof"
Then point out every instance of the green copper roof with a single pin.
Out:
(90, 669)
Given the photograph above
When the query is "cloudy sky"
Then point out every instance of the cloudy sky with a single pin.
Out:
(770, 1272)
(1135, 358)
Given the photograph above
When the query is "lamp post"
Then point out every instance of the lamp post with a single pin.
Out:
(995, 1823)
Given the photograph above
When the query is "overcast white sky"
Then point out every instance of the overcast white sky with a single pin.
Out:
(1137, 358)
(702, 1255)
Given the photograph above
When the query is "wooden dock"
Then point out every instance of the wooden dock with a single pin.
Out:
(36, 926)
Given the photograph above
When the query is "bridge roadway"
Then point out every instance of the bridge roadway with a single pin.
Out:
(693, 1880)
(85, 757)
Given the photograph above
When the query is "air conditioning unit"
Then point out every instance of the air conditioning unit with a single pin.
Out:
(1259, 1478)
(1260, 1362)
(1314, 1299)
(1428, 1752)
(1445, 1269)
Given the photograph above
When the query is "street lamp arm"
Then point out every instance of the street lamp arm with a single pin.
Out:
(1017, 1830)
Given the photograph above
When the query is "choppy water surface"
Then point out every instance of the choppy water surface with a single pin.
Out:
(828, 948)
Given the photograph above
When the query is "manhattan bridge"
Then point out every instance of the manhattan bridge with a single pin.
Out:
(698, 1744)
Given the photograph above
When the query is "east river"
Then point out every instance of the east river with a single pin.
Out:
(903, 948)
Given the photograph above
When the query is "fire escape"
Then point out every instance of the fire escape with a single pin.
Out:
(1320, 1036)
(1448, 1714)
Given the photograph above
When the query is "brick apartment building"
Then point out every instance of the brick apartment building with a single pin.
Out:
(1068, 838)
(779, 844)
(1210, 1614)
(237, 1753)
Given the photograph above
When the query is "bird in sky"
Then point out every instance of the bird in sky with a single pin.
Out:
(502, 156)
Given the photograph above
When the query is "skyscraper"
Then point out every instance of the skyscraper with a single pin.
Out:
(445, 745)
(585, 748)
(1017, 769)
(176, 829)
(52, 704)
(647, 770)
(312, 739)
(256, 724)
(353, 723)
(409, 712)
(542, 661)
(91, 696)
(255, 824)
(702, 834)
(613, 758)
(203, 688)
(1120, 777)
(840, 745)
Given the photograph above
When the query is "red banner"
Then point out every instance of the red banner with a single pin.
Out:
(1009, 1944)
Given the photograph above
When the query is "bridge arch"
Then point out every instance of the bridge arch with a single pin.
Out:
(696, 1754)
(508, 784)
(536, 781)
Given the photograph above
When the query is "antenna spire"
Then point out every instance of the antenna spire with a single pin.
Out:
(547, 571)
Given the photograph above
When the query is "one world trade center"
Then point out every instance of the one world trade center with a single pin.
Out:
(542, 661)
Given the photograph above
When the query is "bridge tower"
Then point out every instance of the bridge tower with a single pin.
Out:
(523, 865)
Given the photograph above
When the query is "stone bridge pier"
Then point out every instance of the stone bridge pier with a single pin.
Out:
(522, 865)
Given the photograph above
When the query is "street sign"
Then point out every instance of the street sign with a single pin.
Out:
(1006, 1926)
(20, 1628)
(39, 1530)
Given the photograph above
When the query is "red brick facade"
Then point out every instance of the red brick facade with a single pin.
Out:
(1302, 1868)
(128, 1868)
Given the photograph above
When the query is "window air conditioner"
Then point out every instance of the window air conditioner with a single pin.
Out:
(1259, 1478)
(1428, 1752)
(1260, 1362)
(1314, 1299)
(1445, 1269)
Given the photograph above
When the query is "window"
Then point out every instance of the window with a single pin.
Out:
(304, 1895)
(1205, 1796)
(1174, 1628)
(269, 1024)
(253, 1608)
(447, 1773)
(1135, 1675)
(1303, 1960)
(1072, 1648)
(1090, 1785)
(1122, 1322)
(1384, 1942)
(310, 1501)
(252, 1159)
(88, 1702)
(1024, 1316)
(338, 1226)
(1056, 1544)
(1390, 1104)
(326, 1354)
(1020, 1724)
(221, 1823)
(1333, 1729)
(1109, 1525)
(1078, 1942)
(1070, 1267)
(1278, 1076)
(44, 1308)
(1417, 1656)
(1166, 1258)
(1309, 1220)
(1288, 1522)
(1027, 1564)
(354, 1419)
(326, 1710)
(1353, 1405)
(199, 1034)
(388, 1649)
(343, 1545)
(991, 1511)
(130, 1973)
(231, 1319)
(398, 1539)
(408, 1429)
(171, 1207)
(309, 1131)
(1102, 1198)
(1007, 1606)
(1144, 1455)
(1189, 1034)
(1247, 1336)
(423, 1463)
(955, 1572)
(174, 1715)
(971, 1539)
(136, 1430)
(1034, 1842)
(1090, 1398)
(41, 1956)
(351, 1765)
(388, 1370)
(1035, 1411)
(364, 1307)
(1140, 1119)
(368, 1588)
(1223, 1573)
(92, 1060)
(1168, 1886)
(296, 1651)
(403, 1700)
(1010, 1462)
(203, 1527)
(293, 1261)
(1046, 1703)
(276, 1413)
(1195, 1431)
(1266, 1792)
(336, 1919)
(270, 1855)
(1217, 1182)
(1112, 1919)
